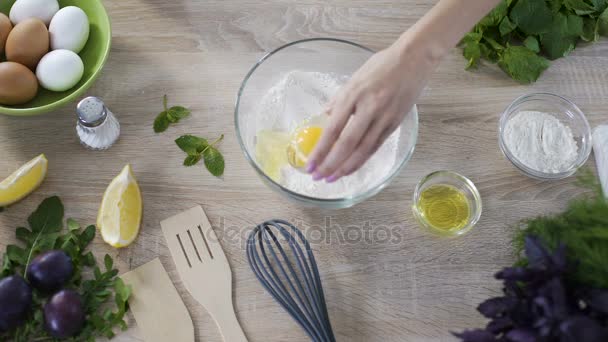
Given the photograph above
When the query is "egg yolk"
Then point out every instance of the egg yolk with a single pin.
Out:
(301, 145)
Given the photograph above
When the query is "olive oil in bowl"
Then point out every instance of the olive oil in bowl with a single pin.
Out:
(447, 203)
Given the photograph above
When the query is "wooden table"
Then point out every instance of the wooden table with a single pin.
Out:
(415, 287)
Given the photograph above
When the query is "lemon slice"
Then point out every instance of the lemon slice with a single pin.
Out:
(23, 181)
(120, 212)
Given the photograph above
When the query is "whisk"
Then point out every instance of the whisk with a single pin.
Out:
(281, 258)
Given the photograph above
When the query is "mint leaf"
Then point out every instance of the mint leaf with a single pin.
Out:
(506, 26)
(562, 36)
(192, 159)
(169, 116)
(174, 114)
(522, 64)
(191, 144)
(472, 48)
(214, 161)
(532, 43)
(580, 7)
(161, 123)
(495, 16)
(602, 24)
(532, 16)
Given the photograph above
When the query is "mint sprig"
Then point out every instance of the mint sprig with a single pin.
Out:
(169, 116)
(46, 232)
(523, 35)
(199, 148)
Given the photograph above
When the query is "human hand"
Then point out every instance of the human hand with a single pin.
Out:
(370, 106)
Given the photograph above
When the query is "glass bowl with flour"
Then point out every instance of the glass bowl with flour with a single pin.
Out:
(545, 136)
(290, 86)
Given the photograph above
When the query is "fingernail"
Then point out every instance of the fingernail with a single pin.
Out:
(311, 167)
(317, 176)
(332, 178)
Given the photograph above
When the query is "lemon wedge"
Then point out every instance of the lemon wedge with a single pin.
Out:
(120, 212)
(23, 181)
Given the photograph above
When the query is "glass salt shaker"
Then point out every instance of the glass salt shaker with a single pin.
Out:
(97, 127)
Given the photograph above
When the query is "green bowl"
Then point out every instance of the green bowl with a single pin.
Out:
(94, 56)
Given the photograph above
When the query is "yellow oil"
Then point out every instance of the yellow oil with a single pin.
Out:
(301, 145)
(444, 207)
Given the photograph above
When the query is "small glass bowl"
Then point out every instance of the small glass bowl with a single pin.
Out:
(459, 182)
(562, 109)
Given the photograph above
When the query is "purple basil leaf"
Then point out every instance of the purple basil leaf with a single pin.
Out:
(499, 325)
(521, 335)
(514, 274)
(581, 328)
(495, 307)
(536, 253)
(598, 300)
(553, 299)
(560, 263)
(543, 327)
(477, 335)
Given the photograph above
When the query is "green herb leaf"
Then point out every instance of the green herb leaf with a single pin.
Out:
(522, 64)
(580, 7)
(192, 159)
(603, 24)
(506, 26)
(169, 116)
(532, 43)
(214, 161)
(561, 38)
(590, 30)
(495, 17)
(174, 114)
(72, 224)
(161, 123)
(532, 16)
(191, 144)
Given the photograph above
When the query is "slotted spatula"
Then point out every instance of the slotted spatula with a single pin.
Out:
(203, 268)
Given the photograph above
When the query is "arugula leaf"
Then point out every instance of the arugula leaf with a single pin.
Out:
(522, 64)
(532, 16)
(532, 43)
(47, 233)
(169, 116)
(214, 161)
(191, 144)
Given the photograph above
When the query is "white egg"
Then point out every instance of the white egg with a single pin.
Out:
(41, 9)
(59, 70)
(69, 29)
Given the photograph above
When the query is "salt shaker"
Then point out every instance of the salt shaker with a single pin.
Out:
(97, 127)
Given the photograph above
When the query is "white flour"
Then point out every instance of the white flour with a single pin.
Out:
(298, 95)
(600, 149)
(541, 142)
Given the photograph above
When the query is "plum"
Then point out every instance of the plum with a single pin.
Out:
(64, 314)
(50, 271)
(15, 301)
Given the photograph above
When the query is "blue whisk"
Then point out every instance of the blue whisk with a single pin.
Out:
(281, 258)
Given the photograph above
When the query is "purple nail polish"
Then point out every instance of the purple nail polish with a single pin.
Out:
(331, 179)
(310, 168)
(317, 176)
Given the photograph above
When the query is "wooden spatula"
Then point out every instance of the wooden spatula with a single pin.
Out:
(155, 299)
(203, 268)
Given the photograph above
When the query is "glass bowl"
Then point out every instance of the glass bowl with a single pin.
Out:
(563, 110)
(332, 56)
(459, 182)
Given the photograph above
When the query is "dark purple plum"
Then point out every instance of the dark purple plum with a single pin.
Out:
(64, 314)
(50, 271)
(15, 301)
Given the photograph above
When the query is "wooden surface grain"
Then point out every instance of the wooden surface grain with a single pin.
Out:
(413, 287)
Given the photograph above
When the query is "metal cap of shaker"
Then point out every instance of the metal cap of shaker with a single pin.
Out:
(92, 112)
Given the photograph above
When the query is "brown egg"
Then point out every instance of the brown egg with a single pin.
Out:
(5, 28)
(18, 84)
(27, 43)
